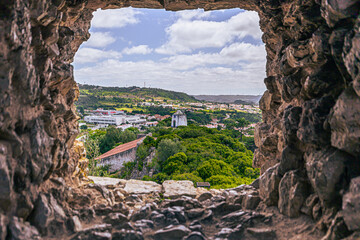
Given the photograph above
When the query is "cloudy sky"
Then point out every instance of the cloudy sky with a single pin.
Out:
(197, 52)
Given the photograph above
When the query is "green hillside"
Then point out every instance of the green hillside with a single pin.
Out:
(92, 97)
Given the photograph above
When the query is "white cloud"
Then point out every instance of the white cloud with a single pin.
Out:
(88, 55)
(237, 68)
(241, 51)
(233, 55)
(141, 49)
(246, 78)
(186, 35)
(100, 39)
(115, 18)
(193, 14)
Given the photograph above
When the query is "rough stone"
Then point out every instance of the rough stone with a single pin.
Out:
(138, 187)
(115, 219)
(262, 233)
(290, 123)
(250, 202)
(175, 189)
(291, 159)
(172, 232)
(269, 183)
(195, 213)
(293, 190)
(5, 185)
(351, 205)
(42, 214)
(313, 66)
(309, 204)
(326, 169)
(144, 225)
(158, 219)
(3, 224)
(256, 183)
(345, 123)
(22, 230)
(195, 236)
(75, 224)
(205, 196)
(311, 127)
(127, 234)
(175, 213)
(143, 212)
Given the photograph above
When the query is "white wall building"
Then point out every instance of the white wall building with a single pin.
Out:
(134, 120)
(178, 119)
(110, 120)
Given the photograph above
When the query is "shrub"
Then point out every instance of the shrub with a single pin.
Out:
(214, 167)
(160, 177)
(168, 148)
(146, 178)
(187, 176)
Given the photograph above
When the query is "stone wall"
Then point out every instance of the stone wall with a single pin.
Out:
(117, 161)
(309, 141)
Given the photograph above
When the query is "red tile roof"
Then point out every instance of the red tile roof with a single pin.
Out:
(121, 148)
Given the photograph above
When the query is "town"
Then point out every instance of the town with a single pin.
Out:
(101, 118)
(158, 135)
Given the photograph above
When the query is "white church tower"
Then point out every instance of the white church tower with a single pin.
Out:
(178, 119)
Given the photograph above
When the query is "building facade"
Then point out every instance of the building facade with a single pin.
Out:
(178, 119)
(110, 120)
(118, 156)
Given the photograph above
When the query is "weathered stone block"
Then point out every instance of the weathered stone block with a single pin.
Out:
(172, 232)
(325, 169)
(291, 159)
(269, 183)
(311, 128)
(290, 123)
(293, 190)
(345, 123)
(139, 187)
(175, 189)
(5, 185)
(351, 205)
(42, 214)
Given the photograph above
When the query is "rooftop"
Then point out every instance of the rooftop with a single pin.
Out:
(121, 148)
(178, 112)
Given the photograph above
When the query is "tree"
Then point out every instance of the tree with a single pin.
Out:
(81, 110)
(175, 164)
(92, 148)
(230, 123)
(83, 127)
(168, 148)
(214, 167)
(187, 176)
(115, 136)
(241, 123)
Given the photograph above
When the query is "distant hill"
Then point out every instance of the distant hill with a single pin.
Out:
(97, 96)
(239, 99)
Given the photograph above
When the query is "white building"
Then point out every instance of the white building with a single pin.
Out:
(101, 111)
(134, 120)
(178, 119)
(110, 120)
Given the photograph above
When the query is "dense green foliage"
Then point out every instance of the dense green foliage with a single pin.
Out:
(202, 117)
(232, 114)
(115, 136)
(201, 154)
